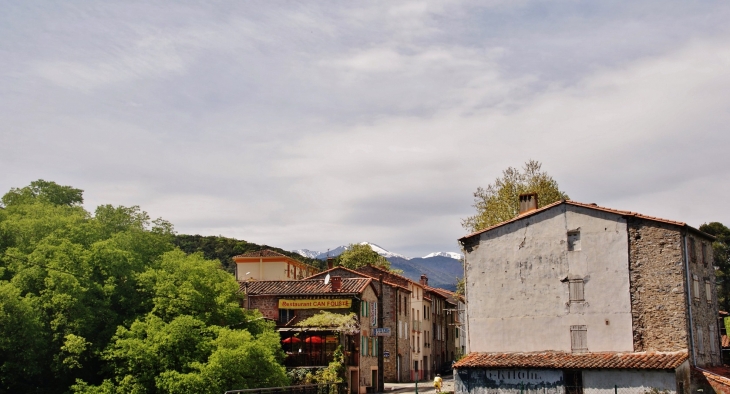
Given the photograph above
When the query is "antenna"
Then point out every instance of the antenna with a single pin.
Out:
(247, 273)
(327, 279)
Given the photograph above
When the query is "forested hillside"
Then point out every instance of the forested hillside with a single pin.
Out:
(223, 249)
(104, 302)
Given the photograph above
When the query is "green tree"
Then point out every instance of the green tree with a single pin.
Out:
(499, 201)
(45, 191)
(75, 288)
(360, 255)
(721, 253)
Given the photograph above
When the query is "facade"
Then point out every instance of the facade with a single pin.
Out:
(419, 327)
(288, 302)
(574, 296)
(396, 308)
(270, 265)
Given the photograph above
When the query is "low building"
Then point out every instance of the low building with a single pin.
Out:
(270, 265)
(289, 302)
(575, 298)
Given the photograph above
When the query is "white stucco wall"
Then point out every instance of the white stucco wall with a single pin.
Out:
(518, 293)
(628, 382)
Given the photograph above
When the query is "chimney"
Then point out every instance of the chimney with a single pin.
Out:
(330, 263)
(528, 202)
(336, 282)
(424, 280)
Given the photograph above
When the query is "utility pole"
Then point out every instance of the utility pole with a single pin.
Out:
(381, 312)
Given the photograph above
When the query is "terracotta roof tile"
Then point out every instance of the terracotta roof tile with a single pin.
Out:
(303, 287)
(584, 205)
(560, 360)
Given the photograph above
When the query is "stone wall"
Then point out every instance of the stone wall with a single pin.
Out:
(657, 283)
(267, 305)
(704, 311)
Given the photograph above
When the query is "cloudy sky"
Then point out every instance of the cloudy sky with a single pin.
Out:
(316, 124)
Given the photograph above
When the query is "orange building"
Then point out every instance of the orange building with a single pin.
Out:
(270, 265)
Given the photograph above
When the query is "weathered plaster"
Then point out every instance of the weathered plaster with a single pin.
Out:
(518, 289)
(628, 381)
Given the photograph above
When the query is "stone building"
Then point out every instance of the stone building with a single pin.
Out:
(288, 302)
(580, 298)
(270, 265)
(396, 312)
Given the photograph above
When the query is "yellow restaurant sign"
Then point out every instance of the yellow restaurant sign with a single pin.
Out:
(313, 304)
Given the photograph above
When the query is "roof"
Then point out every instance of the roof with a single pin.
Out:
(360, 274)
(303, 287)
(560, 360)
(589, 206)
(449, 295)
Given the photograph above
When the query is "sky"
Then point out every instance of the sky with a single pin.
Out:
(317, 124)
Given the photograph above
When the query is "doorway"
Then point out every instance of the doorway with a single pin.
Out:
(374, 381)
(354, 382)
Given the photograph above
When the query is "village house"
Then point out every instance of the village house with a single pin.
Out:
(579, 298)
(288, 302)
(270, 265)
(396, 314)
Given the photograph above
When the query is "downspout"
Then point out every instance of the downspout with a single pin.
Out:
(689, 299)
(397, 332)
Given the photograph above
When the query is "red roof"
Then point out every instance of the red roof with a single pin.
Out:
(303, 287)
(589, 206)
(560, 360)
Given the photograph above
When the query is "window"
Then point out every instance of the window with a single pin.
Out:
(696, 287)
(285, 315)
(713, 339)
(573, 382)
(704, 254)
(573, 240)
(708, 291)
(700, 340)
(692, 254)
(576, 290)
(364, 307)
(363, 346)
(579, 339)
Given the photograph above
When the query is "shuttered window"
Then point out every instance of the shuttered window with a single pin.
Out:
(713, 339)
(700, 340)
(696, 287)
(579, 339)
(692, 251)
(708, 291)
(576, 290)
(704, 254)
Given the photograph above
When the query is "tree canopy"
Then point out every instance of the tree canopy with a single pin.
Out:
(360, 255)
(105, 303)
(499, 201)
(721, 253)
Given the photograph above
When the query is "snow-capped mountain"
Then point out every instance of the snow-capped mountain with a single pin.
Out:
(313, 254)
(307, 253)
(442, 268)
(451, 255)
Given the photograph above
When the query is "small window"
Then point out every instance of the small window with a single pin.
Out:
(579, 339)
(708, 291)
(573, 382)
(696, 287)
(704, 254)
(700, 340)
(285, 315)
(692, 254)
(576, 290)
(573, 240)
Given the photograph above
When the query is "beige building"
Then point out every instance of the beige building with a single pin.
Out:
(270, 265)
(574, 296)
